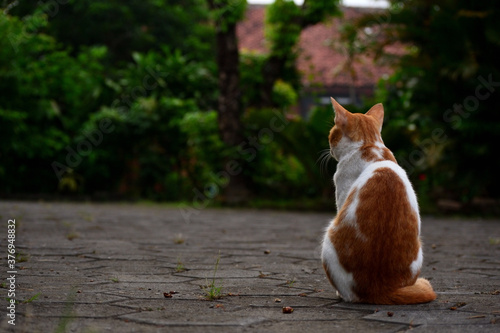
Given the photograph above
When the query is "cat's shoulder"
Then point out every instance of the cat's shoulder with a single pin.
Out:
(384, 180)
(387, 168)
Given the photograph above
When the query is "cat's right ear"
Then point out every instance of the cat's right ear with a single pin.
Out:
(341, 113)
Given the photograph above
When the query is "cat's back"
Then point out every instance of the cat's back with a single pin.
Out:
(385, 182)
(381, 199)
(376, 232)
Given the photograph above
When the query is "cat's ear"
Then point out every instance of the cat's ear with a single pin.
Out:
(341, 114)
(377, 112)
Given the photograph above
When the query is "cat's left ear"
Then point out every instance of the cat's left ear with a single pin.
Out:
(341, 114)
(377, 112)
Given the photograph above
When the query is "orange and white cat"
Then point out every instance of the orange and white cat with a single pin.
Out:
(371, 250)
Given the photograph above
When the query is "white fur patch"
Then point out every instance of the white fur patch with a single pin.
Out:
(343, 281)
(348, 169)
(350, 216)
(379, 150)
(417, 263)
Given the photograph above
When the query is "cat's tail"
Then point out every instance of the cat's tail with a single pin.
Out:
(420, 292)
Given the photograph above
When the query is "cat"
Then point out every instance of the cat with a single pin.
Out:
(371, 250)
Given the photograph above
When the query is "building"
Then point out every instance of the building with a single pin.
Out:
(323, 60)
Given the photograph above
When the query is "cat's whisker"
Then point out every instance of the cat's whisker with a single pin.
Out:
(324, 160)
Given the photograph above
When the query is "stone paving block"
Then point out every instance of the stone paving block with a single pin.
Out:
(441, 317)
(220, 274)
(229, 313)
(112, 276)
(93, 325)
(444, 328)
(331, 326)
(83, 296)
(76, 310)
(31, 324)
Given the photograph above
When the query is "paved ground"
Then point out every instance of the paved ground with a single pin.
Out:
(105, 268)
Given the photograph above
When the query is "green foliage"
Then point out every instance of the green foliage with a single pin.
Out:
(203, 140)
(283, 26)
(55, 102)
(285, 21)
(439, 126)
(251, 79)
(160, 142)
(227, 12)
(125, 104)
(283, 94)
(126, 26)
(315, 11)
(287, 163)
(46, 95)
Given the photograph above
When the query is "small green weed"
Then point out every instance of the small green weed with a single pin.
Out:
(494, 241)
(32, 298)
(86, 216)
(115, 280)
(179, 239)
(72, 235)
(213, 291)
(21, 257)
(290, 283)
(180, 266)
(68, 314)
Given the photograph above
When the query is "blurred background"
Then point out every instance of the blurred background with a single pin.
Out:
(224, 102)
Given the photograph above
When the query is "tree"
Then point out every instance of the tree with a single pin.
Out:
(226, 15)
(126, 26)
(46, 95)
(442, 93)
(58, 88)
(284, 22)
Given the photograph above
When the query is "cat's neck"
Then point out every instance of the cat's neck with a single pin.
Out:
(349, 168)
(352, 162)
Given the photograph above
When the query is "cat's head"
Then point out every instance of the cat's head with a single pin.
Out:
(353, 130)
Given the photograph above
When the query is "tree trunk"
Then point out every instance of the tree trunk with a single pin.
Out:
(229, 104)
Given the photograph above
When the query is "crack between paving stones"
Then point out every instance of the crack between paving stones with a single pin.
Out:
(196, 324)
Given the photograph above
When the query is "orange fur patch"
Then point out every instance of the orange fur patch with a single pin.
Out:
(335, 136)
(372, 153)
(363, 128)
(420, 292)
(359, 127)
